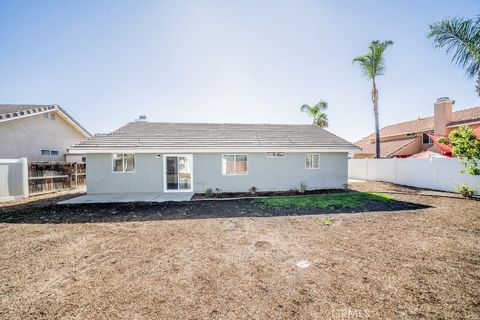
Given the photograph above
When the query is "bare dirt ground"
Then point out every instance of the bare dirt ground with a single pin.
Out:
(418, 263)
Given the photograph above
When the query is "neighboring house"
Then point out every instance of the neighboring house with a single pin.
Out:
(404, 139)
(191, 157)
(38, 132)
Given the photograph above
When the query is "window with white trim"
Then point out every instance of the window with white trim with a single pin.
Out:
(123, 162)
(312, 161)
(52, 116)
(46, 152)
(275, 154)
(45, 115)
(426, 139)
(234, 164)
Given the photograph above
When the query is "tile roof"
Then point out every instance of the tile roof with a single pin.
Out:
(13, 111)
(465, 116)
(426, 124)
(214, 136)
(387, 148)
(8, 111)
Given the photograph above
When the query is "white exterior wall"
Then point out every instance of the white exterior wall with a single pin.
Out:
(266, 174)
(435, 173)
(25, 137)
(13, 179)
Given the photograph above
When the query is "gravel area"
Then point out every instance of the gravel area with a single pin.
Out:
(418, 262)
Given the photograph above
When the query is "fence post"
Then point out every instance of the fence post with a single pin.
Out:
(25, 177)
(366, 169)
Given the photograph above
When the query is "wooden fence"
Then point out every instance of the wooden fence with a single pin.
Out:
(45, 177)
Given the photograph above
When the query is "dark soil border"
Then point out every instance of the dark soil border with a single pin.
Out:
(238, 195)
(200, 209)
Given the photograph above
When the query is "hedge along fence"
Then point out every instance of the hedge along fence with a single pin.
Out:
(434, 173)
(46, 177)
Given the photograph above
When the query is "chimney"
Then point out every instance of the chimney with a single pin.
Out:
(141, 119)
(442, 115)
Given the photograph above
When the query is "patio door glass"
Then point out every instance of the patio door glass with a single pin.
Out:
(178, 173)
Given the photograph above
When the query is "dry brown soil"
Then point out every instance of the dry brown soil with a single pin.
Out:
(420, 263)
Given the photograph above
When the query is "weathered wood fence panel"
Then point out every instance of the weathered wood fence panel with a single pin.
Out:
(45, 177)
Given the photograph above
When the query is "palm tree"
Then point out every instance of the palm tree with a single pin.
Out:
(372, 64)
(462, 38)
(317, 112)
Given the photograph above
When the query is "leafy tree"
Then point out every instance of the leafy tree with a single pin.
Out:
(461, 37)
(466, 146)
(372, 64)
(317, 112)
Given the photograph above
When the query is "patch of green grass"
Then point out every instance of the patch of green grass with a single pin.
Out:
(324, 222)
(341, 200)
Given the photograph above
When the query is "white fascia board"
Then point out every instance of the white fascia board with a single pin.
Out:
(54, 109)
(235, 150)
(72, 123)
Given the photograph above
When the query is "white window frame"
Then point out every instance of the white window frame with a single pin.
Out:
(54, 155)
(189, 157)
(224, 167)
(430, 140)
(52, 116)
(123, 163)
(311, 161)
(275, 154)
(45, 155)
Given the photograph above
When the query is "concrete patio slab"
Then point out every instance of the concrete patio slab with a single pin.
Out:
(129, 197)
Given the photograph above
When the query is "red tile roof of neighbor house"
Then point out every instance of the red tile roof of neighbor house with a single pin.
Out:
(388, 148)
(426, 124)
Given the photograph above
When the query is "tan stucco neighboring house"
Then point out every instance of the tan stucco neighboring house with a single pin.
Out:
(408, 138)
(38, 132)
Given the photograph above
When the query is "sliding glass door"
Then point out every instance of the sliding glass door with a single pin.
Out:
(178, 173)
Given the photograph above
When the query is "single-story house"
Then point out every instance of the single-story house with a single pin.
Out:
(191, 157)
(38, 132)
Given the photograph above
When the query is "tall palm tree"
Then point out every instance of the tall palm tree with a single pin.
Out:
(462, 38)
(317, 112)
(372, 64)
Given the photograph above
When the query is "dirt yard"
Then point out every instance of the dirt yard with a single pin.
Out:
(417, 258)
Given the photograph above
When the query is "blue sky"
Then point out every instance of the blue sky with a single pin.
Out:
(107, 62)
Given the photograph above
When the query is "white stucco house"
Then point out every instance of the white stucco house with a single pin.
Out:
(158, 157)
(39, 133)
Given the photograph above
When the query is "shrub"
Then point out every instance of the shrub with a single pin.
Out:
(466, 146)
(302, 187)
(209, 193)
(465, 190)
(253, 190)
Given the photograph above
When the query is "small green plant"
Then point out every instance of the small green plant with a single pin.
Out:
(302, 187)
(465, 190)
(209, 193)
(324, 222)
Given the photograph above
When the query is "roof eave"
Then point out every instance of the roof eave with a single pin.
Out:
(79, 150)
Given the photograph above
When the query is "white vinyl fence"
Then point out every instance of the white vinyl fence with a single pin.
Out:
(434, 173)
(13, 179)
